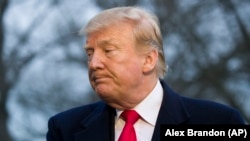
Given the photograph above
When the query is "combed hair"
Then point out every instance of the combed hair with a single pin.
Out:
(146, 29)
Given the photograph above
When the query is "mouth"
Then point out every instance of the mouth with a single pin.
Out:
(99, 79)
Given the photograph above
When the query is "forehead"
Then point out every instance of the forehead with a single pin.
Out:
(111, 34)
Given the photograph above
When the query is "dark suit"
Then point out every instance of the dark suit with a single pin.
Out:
(95, 122)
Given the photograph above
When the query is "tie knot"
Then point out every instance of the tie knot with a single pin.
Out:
(130, 116)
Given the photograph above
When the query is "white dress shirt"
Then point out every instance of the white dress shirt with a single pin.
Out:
(148, 109)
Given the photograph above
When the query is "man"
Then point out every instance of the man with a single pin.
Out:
(126, 66)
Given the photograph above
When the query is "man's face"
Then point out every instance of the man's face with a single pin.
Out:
(115, 68)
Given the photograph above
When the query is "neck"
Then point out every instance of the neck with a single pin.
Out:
(136, 96)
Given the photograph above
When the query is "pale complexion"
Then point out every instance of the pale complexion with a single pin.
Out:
(119, 74)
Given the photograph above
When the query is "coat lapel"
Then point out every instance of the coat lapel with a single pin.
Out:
(98, 126)
(172, 111)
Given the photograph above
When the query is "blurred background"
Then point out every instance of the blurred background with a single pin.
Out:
(43, 66)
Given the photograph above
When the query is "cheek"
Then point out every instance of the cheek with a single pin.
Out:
(130, 71)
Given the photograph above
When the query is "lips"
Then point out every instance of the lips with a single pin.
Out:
(98, 77)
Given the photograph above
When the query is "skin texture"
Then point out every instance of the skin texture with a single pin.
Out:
(119, 73)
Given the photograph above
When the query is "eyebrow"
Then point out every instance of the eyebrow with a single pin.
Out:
(111, 41)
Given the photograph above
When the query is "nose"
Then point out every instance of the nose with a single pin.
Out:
(96, 62)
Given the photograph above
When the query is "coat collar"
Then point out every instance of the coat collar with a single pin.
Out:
(99, 125)
(172, 110)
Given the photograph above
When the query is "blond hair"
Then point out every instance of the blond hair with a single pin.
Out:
(145, 25)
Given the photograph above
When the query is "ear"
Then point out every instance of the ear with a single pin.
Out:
(150, 61)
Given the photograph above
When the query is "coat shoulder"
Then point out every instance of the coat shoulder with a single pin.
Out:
(75, 115)
(211, 112)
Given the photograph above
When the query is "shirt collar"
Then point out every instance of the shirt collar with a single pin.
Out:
(149, 108)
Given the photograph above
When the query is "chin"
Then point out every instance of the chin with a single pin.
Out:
(103, 94)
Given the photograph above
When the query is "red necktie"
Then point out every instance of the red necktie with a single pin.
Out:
(128, 132)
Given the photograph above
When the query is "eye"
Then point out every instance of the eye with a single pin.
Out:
(89, 53)
(109, 50)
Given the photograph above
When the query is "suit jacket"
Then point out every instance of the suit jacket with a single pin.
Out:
(95, 122)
